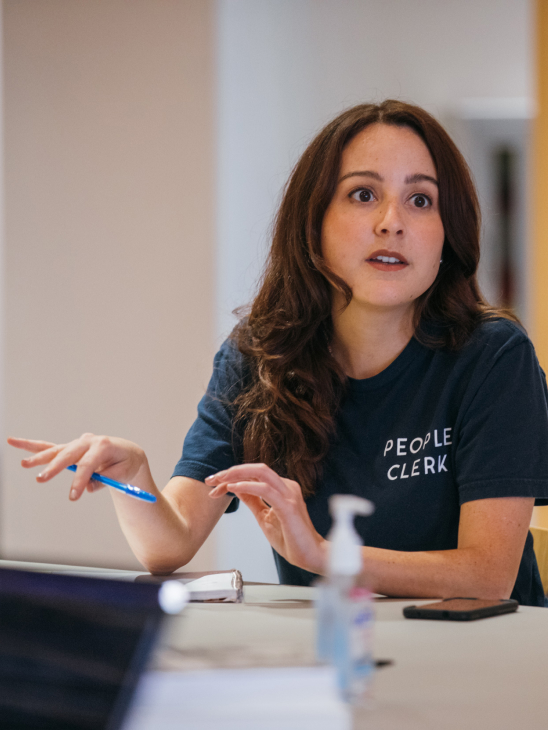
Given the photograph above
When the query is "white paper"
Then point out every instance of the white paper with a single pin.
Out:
(303, 698)
(217, 586)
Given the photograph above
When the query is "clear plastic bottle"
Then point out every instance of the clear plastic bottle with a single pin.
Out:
(344, 610)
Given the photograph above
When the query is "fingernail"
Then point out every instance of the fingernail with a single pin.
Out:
(215, 476)
(42, 475)
(73, 494)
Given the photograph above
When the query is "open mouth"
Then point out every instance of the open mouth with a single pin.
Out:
(387, 261)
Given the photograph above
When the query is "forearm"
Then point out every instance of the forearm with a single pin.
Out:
(158, 535)
(167, 534)
(468, 572)
(492, 534)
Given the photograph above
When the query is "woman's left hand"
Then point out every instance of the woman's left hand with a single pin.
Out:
(280, 510)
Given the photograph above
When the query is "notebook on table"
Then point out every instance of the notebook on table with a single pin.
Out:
(72, 648)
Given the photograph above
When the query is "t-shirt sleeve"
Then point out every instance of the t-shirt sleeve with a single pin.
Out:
(212, 443)
(502, 442)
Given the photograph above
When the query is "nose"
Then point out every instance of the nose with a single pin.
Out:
(390, 220)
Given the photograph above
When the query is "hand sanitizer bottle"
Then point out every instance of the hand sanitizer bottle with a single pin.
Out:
(344, 610)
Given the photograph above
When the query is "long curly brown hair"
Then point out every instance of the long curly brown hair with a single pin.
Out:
(287, 412)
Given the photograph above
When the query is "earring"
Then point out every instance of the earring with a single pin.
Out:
(441, 261)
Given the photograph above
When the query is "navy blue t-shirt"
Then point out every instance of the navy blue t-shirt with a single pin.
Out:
(433, 430)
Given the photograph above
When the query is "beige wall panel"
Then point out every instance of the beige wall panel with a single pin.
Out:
(109, 170)
(540, 212)
(539, 256)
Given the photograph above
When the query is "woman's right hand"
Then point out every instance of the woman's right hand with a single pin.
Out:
(164, 535)
(114, 457)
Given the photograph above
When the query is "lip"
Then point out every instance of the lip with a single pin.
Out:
(392, 254)
(381, 266)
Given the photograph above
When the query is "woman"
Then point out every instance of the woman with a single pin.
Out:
(369, 364)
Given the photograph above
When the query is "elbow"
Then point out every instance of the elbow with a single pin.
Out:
(500, 580)
(494, 585)
(505, 589)
(164, 565)
(493, 591)
(159, 570)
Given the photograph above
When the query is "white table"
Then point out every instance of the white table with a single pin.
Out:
(486, 674)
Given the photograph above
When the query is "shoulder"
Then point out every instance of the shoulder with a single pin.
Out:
(230, 369)
(497, 340)
(500, 342)
(228, 355)
(492, 340)
(497, 352)
(499, 356)
(498, 335)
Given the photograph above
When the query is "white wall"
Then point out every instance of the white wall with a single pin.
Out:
(286, 67)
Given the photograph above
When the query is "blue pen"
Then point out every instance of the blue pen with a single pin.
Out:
(125, 488)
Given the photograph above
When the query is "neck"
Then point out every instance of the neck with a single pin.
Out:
(367, 340)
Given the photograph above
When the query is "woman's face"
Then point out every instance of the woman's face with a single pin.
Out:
(382, 232)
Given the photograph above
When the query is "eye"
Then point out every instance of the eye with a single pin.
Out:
(421, 201)
(362, 195)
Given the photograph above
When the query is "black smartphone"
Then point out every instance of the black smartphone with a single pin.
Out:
(461, 609)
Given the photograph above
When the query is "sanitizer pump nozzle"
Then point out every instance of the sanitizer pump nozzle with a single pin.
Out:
(345, 557)
(344, 610)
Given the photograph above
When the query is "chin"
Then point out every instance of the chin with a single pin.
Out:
(384, 299)
(390, 297)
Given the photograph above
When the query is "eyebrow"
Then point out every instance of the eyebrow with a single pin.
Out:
(409, 180)
(420, 177)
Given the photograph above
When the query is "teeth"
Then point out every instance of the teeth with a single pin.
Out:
(387, 259)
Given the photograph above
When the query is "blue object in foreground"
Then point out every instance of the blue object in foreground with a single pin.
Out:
(126, 488)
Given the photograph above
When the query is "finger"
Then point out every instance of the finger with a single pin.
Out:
(91, 461)
(215, 479)
(219, 491)
(267, 519)
(94, 486)
(247, 472)
(82, 481)
(69, 454)
(225, 487)
(42, 457)
(258, 507)
(264, 491)
(29, 445)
